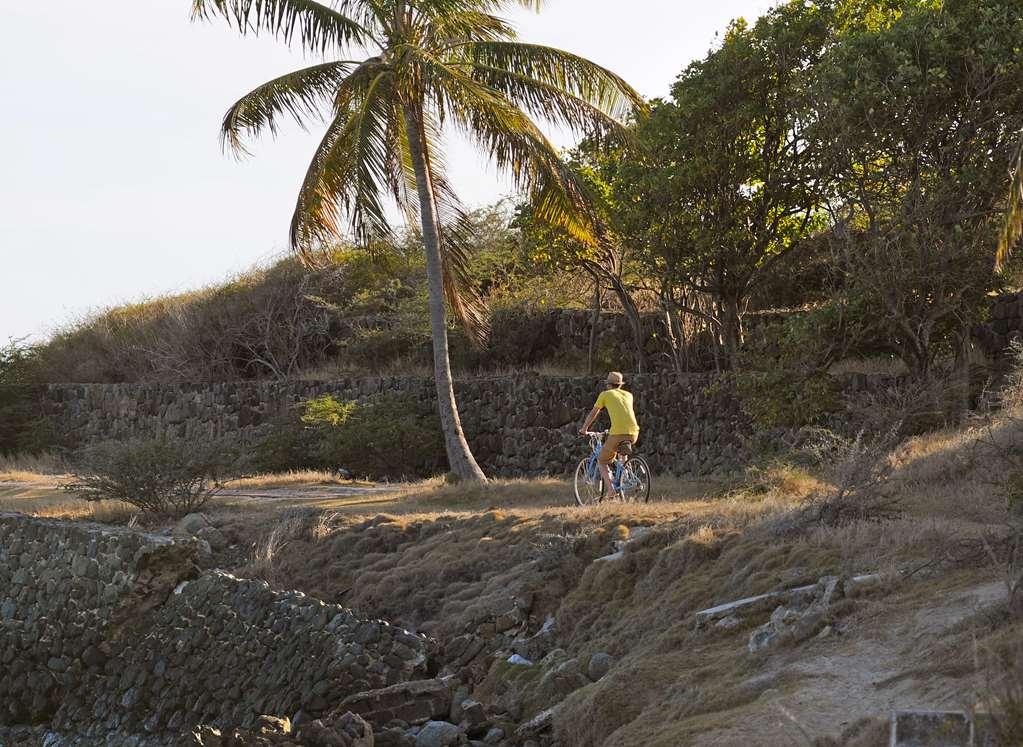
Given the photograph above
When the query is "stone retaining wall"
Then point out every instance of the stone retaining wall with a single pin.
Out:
(112, 632)
(517, 425)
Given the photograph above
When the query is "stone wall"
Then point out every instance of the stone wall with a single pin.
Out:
(1004, 326)
(516, 425)
(113, 632)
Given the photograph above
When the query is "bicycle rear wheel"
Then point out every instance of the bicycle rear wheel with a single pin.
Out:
(636, 481)
(588, 492)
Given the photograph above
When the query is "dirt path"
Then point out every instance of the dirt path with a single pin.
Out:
(884, 661)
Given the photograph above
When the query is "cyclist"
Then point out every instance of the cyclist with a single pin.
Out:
(624, 426)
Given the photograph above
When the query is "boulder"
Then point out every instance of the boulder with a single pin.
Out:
(413, 702)
(191, 525)
(346, 730)
(440, 734)
(599, 665)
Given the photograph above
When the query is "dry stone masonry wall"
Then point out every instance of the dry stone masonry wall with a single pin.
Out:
(517, 425)
(114, 637)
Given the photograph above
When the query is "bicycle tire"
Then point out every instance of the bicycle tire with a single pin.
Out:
(640, 469)
(586, 492)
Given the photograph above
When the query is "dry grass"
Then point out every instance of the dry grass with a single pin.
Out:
(50, 503)
(25, 468)
(297, 478)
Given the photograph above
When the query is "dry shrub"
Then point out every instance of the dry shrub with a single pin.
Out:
(158, 476)
(265, 557)
(858, 472)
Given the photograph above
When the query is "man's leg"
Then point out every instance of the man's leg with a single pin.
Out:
(607, 455)
(605, 472)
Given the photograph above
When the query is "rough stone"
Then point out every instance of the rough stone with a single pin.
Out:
(439, 734)
(413, 702)
(930, 729)
(599, 665)
(157, 648)
(191, 525)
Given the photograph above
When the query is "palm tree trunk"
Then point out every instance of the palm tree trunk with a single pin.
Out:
(460, 458)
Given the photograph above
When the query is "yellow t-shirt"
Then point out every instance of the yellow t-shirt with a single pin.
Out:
(618, 404)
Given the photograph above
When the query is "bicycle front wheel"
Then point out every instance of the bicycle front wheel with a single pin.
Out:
(636, 481)
(588, 488)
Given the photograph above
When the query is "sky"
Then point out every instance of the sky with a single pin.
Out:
(113, 186)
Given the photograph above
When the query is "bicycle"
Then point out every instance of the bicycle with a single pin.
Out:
(630, 476)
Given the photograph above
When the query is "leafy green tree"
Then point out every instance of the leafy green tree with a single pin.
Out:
(605, 256)
(728, 183)
(919, 120)
(431, 64)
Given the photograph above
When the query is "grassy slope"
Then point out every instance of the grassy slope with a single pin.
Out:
(439, 558)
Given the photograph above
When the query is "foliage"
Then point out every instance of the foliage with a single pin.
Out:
(787, 399)
(715, 207)
(22, 429)
(327, 411)
(919, 121)
(158, 475)
(385, 437)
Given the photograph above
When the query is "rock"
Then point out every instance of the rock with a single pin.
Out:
(214, 537)
(761, 638)
(461, 695)
(413, 702)
(473, 714)
(191, 525)
(273, 725)
(728, 623)
(926, 728)
(346, 730)
(539, 723)
(393, 737)
(599, 665)
(439, 734)
(536, 646)
(494, 736)
(519, 661)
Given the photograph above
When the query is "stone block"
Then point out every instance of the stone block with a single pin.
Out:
(930, 729)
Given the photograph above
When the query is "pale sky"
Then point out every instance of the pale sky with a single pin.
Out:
(113, 186)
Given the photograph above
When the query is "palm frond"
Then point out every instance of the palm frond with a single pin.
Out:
(570, 73)
(1012, 231)
(516, 145)
(552, 104)
(301, 94)
(457, 235)
(349, 171)
(317, 27)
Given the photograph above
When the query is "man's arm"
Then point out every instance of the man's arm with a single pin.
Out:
(594, 414)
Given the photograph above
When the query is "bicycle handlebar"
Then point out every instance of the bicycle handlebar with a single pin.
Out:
(591, 434)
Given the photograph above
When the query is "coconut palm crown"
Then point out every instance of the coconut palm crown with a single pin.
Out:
(431, 65)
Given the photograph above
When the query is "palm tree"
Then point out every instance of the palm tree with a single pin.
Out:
(1012, 231)
(431, 65)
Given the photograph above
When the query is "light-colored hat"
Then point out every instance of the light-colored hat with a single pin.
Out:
(616, 379)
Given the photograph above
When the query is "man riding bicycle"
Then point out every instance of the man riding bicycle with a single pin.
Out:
(624, 426)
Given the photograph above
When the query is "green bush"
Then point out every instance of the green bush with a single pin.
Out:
(389, 436)
(157, 475)
(22, 429)
(788, 399)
